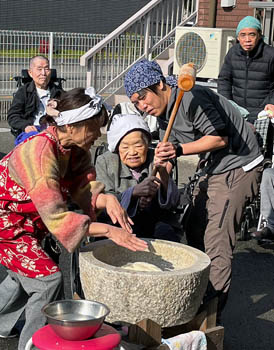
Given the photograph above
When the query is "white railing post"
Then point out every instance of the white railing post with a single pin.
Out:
(89, 75)
(50, 49)
(147, 37)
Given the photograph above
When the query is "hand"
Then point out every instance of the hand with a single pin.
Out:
(147, 188)
(252, 127)
(51, 108)
(117, 213)
(30, 128)
(126, 239)
(144, 202)
(164, 175)
(159, 162)
(165, 151)
(270, 108)
(116, 234)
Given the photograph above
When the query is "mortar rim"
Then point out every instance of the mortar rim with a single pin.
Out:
(199, 265)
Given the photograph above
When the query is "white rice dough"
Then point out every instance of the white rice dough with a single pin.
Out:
(141, 266)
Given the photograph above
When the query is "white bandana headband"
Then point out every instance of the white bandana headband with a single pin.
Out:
(85, 112)
(121, 125)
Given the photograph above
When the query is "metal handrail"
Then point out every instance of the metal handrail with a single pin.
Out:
(265, 9)
(138, 15)
(141, 57)
(148, 33)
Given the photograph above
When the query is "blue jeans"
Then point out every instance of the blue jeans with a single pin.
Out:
(267, 197)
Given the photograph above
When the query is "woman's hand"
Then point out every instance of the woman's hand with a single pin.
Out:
(147, 188)
(144, 202)
(159, 162)
(118, 235)
(163, 175)
(116, 212)
(126, 239)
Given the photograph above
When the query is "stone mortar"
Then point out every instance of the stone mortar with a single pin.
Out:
(170, 297)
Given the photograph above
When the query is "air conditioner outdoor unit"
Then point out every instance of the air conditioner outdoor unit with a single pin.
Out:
(206, 47)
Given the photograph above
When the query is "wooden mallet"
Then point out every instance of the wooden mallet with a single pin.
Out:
(186, 81)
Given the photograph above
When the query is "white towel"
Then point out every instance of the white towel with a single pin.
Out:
(195, 340)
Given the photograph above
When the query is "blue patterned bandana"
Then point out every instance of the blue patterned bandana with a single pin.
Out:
(171, 80)
(142, 75)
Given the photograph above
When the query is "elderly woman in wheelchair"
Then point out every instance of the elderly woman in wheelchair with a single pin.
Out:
(126, 170)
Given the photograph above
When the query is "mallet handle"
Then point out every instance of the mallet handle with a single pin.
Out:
(173, 115)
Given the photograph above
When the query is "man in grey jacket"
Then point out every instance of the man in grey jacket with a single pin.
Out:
(206, 124)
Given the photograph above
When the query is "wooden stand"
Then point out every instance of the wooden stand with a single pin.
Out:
(149, 333)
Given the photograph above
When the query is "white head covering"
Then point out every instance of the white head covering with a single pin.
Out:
(85, 112)
(121, 125)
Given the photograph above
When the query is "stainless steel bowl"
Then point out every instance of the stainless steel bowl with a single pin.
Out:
(75, 319)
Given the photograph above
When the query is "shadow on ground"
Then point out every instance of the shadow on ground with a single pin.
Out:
(248, 317)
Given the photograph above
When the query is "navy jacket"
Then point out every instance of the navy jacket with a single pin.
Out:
(248, 78)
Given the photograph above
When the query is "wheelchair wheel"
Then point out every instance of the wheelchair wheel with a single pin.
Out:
(244, 230)
(175, 173)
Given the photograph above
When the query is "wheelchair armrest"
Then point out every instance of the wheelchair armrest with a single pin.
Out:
(15, 132)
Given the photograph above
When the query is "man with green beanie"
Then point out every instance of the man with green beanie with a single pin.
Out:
(247, 75)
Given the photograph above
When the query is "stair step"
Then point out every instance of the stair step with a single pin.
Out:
(165, 55)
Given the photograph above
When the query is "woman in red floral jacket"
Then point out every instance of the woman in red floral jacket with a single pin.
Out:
(35, 179)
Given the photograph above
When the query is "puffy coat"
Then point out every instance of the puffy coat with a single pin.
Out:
(248, 78)
(25, 105)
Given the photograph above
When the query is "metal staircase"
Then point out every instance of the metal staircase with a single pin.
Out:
(150, 33)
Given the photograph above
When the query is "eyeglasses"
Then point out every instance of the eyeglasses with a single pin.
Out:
(247, 35)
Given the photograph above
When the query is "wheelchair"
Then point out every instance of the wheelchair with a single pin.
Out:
(261, 223)
(25, 78)
(251, 216)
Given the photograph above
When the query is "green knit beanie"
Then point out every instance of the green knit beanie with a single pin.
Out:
(249, 22)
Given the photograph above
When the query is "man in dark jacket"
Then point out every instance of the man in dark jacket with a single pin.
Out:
(28, 105)
(247, 75)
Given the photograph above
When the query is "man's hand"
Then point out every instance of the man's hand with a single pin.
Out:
(165, 151)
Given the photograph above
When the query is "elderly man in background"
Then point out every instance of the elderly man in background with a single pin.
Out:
(29, 103)
(247, 75)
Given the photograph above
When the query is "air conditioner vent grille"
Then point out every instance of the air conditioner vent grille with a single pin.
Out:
(191, 48)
